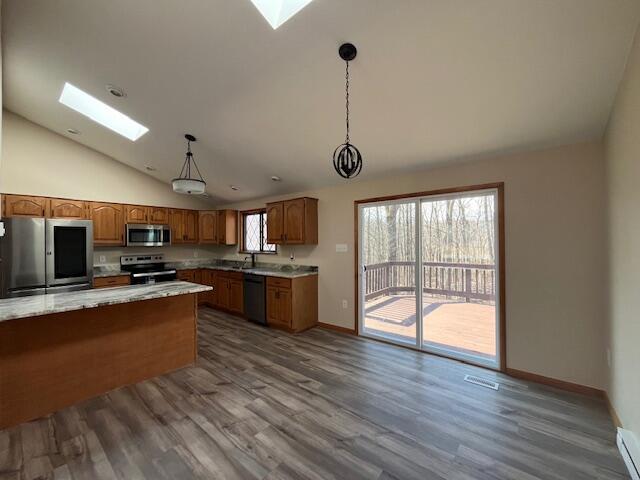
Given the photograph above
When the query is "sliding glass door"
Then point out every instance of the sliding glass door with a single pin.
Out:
(437, 255)
(388, 253)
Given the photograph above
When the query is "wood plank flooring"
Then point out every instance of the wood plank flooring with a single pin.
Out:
(263, 404)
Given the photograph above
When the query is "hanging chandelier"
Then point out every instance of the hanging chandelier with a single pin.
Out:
(185, 183)
(347, 159)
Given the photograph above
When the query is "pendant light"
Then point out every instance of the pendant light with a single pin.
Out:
(347, 159)
(185, 183)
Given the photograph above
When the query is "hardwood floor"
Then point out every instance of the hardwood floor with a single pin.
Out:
(261, 403)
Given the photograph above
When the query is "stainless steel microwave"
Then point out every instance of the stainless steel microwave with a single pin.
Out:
(148, 235)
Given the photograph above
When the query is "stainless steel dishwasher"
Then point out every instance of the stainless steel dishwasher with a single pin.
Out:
(255, 308)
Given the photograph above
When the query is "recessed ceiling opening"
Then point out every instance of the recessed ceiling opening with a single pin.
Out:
(101, 113)
(279, 11)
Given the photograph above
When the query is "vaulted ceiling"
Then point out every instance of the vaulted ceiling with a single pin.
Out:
(435, 80)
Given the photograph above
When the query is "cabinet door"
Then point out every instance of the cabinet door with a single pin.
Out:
(190, 226)
(236, 296)
(221, 227)
(24, 206)
(213, 281)
(273, 315)
(275, 225)
(158, 215)
(76, 209)
(223, 292)
(284, 306)
(176, 224)
(208, 222)
(294, 221)
(108, 223)
(186, 275)
(136, 214)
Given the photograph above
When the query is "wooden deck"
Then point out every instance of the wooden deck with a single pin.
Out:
(469, 327)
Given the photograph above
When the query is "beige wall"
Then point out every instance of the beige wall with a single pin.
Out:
(37, 161)
(622, 153)
(554, 252)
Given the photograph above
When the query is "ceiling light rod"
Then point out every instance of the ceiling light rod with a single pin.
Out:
(347, 159)
(185, 183)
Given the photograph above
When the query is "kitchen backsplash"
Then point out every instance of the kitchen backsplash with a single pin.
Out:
(111, 255)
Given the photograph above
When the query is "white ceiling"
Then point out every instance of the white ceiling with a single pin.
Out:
(434, 81)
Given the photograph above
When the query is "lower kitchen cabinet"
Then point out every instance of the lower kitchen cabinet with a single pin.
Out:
(187, 275)
(115, 281)
(292, 303)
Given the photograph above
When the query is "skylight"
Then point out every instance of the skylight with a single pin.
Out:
(279, 11)
(101, 113)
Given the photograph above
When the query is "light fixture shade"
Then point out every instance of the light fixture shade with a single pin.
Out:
(188, 186)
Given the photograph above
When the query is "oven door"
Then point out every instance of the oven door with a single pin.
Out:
(69, 252)
(148, 235)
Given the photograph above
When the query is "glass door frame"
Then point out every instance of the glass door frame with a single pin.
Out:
(500, 305)
(361, 277)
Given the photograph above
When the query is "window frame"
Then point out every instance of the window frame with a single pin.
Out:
(243, 219)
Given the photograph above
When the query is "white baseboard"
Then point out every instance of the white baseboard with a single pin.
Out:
(630, 451)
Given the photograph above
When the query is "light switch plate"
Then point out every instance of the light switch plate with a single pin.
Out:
(1, 229)
(342, 248)
(103, 259)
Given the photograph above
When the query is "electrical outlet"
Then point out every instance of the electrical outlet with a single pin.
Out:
(103, 259)
(345, 304)
(195, 253)
(609, 357)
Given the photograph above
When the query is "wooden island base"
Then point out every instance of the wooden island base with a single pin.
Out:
(52, 361)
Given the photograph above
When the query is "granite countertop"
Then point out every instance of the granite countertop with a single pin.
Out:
(265, 269)
(24, 307)
(101, 271)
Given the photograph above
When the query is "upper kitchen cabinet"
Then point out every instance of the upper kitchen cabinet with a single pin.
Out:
(293, 222)
(136, 214)
(227, 227)
(158, 215)
(24, 206)
(208, 222)
(72, 209)
(219, 227)
(176, 222)
(184, 226)
(108, 223)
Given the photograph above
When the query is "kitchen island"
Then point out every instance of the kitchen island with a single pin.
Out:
(59, 349)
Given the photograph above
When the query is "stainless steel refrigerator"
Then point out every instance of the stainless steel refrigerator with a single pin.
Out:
(39, 256)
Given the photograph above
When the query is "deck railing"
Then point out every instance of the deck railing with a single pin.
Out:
(470, 281)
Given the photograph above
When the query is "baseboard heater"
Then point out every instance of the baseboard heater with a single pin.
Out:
(630, 451)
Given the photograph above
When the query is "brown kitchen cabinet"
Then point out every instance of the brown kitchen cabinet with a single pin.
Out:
(218, 227)
(293, 222)
(208, 224)
(108, 223)
(71, 209)
(292, 303)
(230, 286)
(184, 226)
(186, 275)
(136, 214)
(115, 281)
(207, 277)
(158, 215)
(24, 206)
(227, 227)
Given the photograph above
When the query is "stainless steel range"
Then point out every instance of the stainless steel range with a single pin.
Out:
(147, 268)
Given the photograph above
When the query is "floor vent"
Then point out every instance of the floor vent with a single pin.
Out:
(483, 382)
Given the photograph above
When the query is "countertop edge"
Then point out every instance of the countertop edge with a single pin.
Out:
(193, 289)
